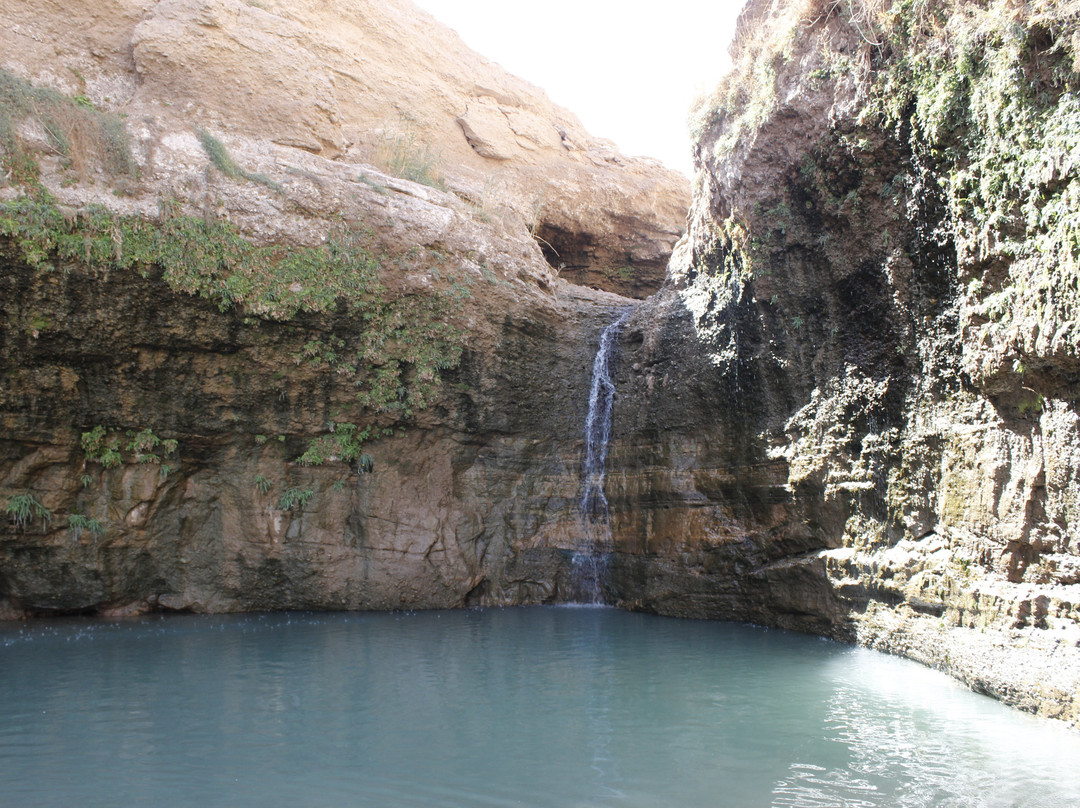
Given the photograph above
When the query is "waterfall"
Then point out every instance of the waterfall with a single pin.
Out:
(590, 560)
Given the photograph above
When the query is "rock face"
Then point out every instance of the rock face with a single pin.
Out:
(372, 82)
(216, 161)
(447, 516)
(855, 411)
(852, 409)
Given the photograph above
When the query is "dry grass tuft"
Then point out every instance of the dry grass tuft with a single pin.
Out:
(84, 137)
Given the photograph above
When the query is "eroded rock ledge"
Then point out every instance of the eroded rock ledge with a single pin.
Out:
(280, 330)
(361, 82)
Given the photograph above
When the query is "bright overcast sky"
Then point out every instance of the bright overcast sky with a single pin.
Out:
(628, 70)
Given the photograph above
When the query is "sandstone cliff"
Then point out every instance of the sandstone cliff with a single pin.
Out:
(361, 82)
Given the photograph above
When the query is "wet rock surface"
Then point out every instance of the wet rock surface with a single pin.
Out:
(835, 281)
(321, 114)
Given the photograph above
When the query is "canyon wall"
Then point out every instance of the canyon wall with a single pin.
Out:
(360, 82)
(850, 409)
(284, 326)
(854, 410)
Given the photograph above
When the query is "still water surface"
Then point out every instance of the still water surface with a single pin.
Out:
(555, 707)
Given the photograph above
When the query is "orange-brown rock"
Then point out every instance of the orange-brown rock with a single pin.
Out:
(476, 501)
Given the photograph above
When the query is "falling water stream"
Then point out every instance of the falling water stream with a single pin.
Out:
(591, 557)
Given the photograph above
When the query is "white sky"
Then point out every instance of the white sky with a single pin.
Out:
(629, 70)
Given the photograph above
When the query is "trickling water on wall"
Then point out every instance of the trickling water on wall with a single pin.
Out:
(591, 558)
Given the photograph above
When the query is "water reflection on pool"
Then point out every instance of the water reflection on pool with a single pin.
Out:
(525, 707)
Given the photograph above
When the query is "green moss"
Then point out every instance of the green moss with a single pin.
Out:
(221, 158)
(987, 97)
(727, 253)
(994, 108)
(395, 360)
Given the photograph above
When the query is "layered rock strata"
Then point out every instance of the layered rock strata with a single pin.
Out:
(188, 188)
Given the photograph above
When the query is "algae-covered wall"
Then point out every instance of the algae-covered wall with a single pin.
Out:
(278, 326)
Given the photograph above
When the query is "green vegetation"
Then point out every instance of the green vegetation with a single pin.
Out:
(262, 484)
(143, 443)
(1031, 402)
(728, 253)
(745, 98)
(107, 449)
(624, 273)
(224, 163)
(23, 509)
(370, 183)
(994, 107)
(83, 136)
(343, 443)
(320, 354)
(294, 497)
(77, 523)
(986, 95)
(404, 154)
(101, 450)
(395, 361)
